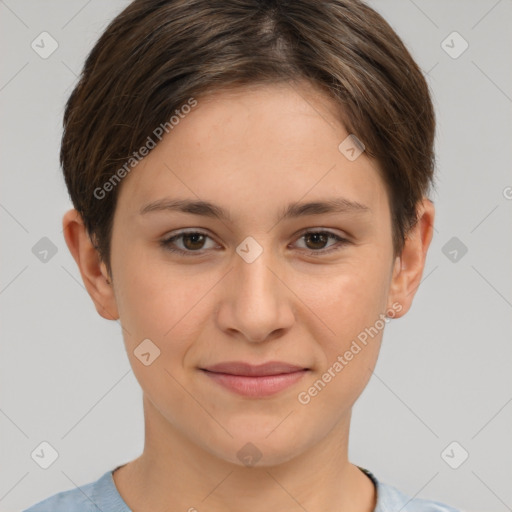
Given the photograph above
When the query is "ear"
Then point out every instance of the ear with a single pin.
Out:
(408, 267)
(93, 270)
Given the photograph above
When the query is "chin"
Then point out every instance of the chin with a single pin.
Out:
(258, 450)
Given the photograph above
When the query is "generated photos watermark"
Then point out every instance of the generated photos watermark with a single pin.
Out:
(305, 397)
(137, 156)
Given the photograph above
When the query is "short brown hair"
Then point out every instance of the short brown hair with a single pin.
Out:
(157, 54)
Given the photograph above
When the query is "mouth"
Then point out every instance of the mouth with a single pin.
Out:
(255, 381)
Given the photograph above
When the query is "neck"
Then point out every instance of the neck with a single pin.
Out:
(175, 474)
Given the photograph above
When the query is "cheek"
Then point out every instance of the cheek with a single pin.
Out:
(152, 296)
(158, 306)
(353, 295)
(350, 303)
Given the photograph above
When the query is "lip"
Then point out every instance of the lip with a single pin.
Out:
(252, 370)
(255, 380)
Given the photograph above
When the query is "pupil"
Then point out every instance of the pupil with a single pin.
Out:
(193, 236)
(317, 236)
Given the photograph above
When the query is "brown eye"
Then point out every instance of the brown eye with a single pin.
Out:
(191, 242)
(315, 242)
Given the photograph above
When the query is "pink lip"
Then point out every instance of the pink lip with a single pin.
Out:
(255, 381)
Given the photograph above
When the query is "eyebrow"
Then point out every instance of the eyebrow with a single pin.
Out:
(293, 210)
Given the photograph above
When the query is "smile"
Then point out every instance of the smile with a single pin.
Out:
(255, 381)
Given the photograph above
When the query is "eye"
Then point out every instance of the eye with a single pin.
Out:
(194, 242)
(318, 239)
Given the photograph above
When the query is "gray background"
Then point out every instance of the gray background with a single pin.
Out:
(444, 371)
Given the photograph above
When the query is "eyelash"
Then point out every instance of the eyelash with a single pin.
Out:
(166, 243)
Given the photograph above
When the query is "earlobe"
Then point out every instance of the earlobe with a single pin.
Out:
(409, 266)
(92, 269)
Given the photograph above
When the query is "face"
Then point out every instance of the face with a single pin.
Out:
(310, 289)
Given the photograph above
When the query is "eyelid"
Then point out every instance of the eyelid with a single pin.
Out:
(340, 241)
(302, 232)
(166, 241)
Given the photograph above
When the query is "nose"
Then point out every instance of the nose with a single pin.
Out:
(256, 303)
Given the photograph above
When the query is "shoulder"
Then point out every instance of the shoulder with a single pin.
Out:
(74, 500)
(90, 497)
(390, 499)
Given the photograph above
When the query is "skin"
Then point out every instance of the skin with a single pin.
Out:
(252, 151)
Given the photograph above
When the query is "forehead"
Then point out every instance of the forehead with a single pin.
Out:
(257, 144)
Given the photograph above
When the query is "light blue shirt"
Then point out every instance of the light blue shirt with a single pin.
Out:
(102, 496)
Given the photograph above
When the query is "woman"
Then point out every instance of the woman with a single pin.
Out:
(250, 184)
